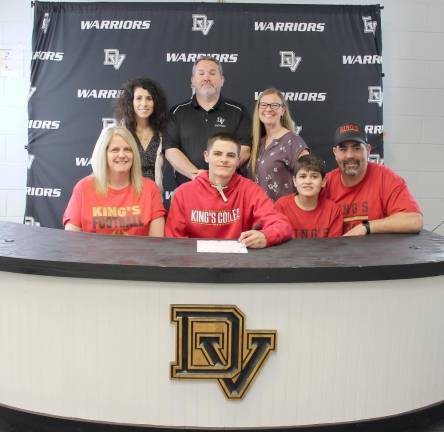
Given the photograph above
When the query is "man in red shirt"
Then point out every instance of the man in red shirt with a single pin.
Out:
(374, 199)
(221, 204)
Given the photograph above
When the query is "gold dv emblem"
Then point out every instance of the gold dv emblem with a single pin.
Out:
(212, 343)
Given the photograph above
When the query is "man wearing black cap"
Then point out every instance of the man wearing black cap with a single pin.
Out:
(374, 199)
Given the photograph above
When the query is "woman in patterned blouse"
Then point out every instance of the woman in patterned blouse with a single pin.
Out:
(276, 147)
(142, 108)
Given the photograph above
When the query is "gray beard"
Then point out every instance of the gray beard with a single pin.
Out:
(353, 172)
(206, 93)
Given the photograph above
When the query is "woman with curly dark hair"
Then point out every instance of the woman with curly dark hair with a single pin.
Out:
(142, 108)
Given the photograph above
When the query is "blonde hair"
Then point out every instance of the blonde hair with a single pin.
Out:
(99, 159)
(259, 129)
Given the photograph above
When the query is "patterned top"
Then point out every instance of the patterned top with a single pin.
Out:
(148, 156)
(275, 164)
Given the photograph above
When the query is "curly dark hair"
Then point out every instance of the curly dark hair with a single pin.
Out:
(123, 106)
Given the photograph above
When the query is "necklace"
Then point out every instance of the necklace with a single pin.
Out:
(144, 137)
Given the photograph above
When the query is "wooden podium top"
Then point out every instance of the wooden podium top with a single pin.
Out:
(45, 251)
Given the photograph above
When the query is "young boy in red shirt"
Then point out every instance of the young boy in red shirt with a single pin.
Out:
(310, 215)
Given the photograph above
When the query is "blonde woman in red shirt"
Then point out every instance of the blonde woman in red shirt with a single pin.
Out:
(116, 199)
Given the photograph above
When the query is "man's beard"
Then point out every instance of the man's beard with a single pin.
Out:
(207, 91)
(352, 171)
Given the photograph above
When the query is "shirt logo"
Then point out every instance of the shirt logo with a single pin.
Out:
(113, 58)
(202, 23)
(212, 343)
(220, 122)
(375, 95)
(289, 60)
(369, 24)
(45, 22)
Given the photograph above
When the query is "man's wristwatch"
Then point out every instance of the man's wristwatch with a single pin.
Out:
(367, 227)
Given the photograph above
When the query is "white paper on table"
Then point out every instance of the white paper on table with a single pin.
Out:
(221, 246)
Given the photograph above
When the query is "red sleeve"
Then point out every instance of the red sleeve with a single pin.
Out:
(73, 212)
(336, 228)
(279, 206)
(274, 225)
(176, 224)
(397, 197)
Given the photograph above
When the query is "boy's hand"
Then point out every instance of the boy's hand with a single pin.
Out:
(253, 239)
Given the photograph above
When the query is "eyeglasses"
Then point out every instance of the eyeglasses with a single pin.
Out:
(274, 106)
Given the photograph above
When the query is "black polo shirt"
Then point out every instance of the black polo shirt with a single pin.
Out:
(190, 126)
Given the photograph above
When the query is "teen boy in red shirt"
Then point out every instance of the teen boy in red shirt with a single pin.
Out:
(310, 215)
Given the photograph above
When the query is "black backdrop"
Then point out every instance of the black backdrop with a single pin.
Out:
(326, 59)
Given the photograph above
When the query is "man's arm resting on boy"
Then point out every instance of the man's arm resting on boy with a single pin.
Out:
(181, 163)
(402, 222)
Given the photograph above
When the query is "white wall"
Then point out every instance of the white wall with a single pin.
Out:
(413, 53)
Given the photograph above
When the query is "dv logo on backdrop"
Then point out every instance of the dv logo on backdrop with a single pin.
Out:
(113, 58)
(375, 95)
(45, 22)
(369, 24)
(202, 23)
(289, 60)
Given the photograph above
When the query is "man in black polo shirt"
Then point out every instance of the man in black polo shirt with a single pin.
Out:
(191, 123)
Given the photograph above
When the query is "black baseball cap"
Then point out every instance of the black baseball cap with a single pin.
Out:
(350, 132)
